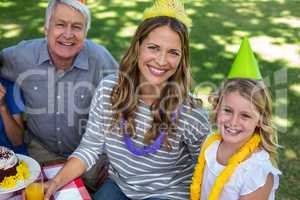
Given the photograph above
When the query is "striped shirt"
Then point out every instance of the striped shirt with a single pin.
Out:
(165, 174)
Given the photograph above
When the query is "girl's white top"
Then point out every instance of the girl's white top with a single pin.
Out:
(249, 176)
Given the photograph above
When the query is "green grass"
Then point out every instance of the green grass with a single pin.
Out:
(218, 26)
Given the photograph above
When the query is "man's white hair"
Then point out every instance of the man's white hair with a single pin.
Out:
(72, 3)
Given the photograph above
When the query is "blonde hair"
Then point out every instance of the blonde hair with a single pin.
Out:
(124, 102)
(256, 92)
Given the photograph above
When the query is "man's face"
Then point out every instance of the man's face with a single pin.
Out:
(65, 34)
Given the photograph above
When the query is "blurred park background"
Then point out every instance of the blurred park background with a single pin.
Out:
(273, 27)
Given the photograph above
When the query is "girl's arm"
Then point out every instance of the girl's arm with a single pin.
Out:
(73, 168)
(13, 125)
(262, 193)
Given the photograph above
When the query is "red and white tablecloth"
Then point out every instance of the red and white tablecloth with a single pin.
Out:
(75, 190)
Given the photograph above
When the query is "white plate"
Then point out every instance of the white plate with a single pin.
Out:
(34, 170)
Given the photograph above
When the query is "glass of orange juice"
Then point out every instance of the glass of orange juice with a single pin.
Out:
(35, 190)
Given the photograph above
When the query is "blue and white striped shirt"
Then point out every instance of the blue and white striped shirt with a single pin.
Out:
(165, 174)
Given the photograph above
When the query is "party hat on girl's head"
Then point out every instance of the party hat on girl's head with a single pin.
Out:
(245, 64)
(169, 8)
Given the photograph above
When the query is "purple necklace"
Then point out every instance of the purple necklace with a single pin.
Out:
(146, 149)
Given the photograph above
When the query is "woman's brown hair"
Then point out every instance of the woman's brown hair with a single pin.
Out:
(124, 101)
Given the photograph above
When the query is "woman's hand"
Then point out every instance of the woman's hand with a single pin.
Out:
(50, 188)
(72, 169)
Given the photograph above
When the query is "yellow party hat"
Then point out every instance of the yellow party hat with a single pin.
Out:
(170, 8)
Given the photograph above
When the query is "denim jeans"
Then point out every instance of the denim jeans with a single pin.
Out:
(111, 191)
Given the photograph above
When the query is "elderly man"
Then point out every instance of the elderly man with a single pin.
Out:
(58, 75)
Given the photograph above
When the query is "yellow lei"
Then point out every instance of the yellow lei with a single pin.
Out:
(247, 149)
(22, 174)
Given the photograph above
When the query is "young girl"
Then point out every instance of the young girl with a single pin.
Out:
(143, 117)
(239, 162)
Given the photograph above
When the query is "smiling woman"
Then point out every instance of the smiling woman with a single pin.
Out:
(159, 58)
(143, 117)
